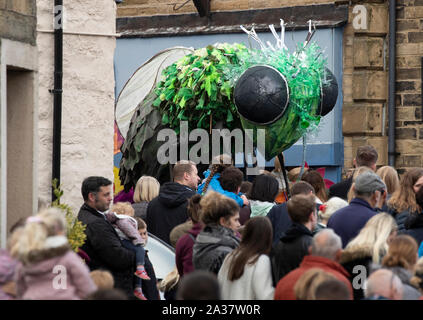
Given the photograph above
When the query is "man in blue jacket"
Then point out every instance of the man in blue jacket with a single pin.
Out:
(370, 194)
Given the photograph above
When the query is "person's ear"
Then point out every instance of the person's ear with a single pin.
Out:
(309, 250)
(91, 197)
(222, 221)
(354, 163)
(312, 217)
(375, 198)
(186, 176)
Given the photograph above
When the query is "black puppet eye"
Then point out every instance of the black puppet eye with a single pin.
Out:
(329, 93)
(261, 95)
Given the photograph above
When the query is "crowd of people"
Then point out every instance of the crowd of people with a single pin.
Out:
(234, 239)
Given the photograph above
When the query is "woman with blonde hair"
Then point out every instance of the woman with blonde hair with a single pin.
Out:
(146, 189)
(401, 259)
(403, 202)
(369, 246)
(41, 248)
(390, 176)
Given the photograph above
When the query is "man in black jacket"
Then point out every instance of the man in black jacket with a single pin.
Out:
(169, 208)
(366, 156)
(279, 216)
(294, 245)
(103, 244)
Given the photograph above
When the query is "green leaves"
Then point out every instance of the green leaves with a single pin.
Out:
(75, 229)
(195, 87)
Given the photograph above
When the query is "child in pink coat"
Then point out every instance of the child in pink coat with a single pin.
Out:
(48, 268)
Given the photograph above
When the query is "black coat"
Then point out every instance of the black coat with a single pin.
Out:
(280, 220)
(149, 287)
(341, 189)
(105, 249)
(168, 209)
(414, 227)
(290, 250)
(400, 218)
(353, 257)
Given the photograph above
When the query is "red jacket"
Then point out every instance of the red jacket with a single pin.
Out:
(285, 288)
(183, 250)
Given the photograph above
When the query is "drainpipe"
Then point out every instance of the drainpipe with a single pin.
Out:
(392, 75)
(57, 91)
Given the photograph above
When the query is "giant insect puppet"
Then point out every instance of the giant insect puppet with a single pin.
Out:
(229, 86)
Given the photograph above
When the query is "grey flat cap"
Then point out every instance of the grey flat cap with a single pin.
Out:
(369, 182)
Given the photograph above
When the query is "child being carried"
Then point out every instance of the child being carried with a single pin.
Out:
(121, 217)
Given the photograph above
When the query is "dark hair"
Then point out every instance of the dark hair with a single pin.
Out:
(108, 294)
(265, 188)
(332, 289)
(302, 187)
(198, 285)
(181, 167)
(300, 207)
(93, 185)
(246, 187)
(218, 165)
(256, 240)
(419, 197)
(316, 180)
(366, 156)
(231, 179)
(194, 207)
(215, 206)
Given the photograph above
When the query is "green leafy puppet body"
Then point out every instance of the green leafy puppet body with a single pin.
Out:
(199, 89)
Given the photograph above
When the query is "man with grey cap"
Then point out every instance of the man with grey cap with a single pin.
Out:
(370, 192)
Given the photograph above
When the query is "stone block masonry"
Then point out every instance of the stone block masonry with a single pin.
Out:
(408, 86)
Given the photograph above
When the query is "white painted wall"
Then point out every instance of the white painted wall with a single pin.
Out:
(88, 94)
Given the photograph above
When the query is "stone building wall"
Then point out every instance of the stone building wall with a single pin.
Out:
(88, 94)
(18, 20)
(408, 86)
(365, 82)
